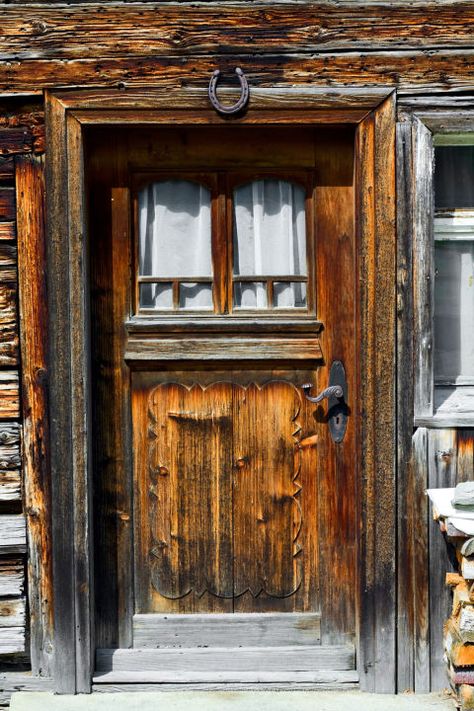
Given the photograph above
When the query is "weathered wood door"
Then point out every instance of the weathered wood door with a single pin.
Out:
(222, 273)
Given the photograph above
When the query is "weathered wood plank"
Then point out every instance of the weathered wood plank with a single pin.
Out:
(419, 515)
(10, 486)
(325, 679)
(12, 640)
(410, 71)
(33, 314)
(8, 323)
(15, 140)
(405, 549)
(12, 576)
(12, 612)
(223, 349)
(158, 29)
(7, 230)
(10, 682)
(228, 659)
(423, 267)
(10, 457)
(6, 169)
(12, 533)
(232, 630)
(9, 395)
(7, 203)
(442, 465)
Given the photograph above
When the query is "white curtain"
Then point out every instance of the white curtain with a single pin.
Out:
(269, 240)
(454, 309)
(175, 241)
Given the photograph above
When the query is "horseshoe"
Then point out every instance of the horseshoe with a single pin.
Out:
(240, 104)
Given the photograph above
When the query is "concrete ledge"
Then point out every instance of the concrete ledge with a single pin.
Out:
(230, 701)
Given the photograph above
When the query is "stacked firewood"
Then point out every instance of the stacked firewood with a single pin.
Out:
(454, 511)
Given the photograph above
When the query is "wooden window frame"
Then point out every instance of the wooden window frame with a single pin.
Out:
(221, 187)
(372, 112)
(429, 129)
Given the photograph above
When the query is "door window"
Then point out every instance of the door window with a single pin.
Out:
(224, 243)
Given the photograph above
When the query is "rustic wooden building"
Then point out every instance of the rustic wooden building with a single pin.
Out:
(172, 271)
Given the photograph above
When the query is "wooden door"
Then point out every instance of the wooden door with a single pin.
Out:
(224, 510)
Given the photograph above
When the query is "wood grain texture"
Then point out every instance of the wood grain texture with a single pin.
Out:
(60, 408)
(30, 191)
(12, 534)
(233, 659)
(223, 680)
(143, 349)
(9, 327)
(411, 71)
(423, 267)
(11, 682)
(10, 486)
(95, 30)
(375, 151)
(9, 395)
(12, 640)
(12, 576)
(12, 612)
(232, 630)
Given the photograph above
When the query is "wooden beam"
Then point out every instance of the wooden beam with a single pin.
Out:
(153, 29)
(36, 473)
(12, 534)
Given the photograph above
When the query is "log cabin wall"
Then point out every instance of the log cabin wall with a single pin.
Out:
(424, 51)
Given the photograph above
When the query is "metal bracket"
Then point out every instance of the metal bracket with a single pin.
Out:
(240, 104)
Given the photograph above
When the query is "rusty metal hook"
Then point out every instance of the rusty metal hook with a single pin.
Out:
(240, 104)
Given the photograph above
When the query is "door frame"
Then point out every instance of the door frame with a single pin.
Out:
(372, 112)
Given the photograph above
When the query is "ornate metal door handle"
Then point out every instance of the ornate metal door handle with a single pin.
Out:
(331, 391)
(240, 104)
(336, 393)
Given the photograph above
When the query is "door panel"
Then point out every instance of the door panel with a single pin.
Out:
(224, 473)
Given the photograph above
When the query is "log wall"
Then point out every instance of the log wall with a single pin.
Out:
(21, 129)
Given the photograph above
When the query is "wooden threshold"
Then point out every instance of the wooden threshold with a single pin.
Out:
(322, 677)
(226, 630)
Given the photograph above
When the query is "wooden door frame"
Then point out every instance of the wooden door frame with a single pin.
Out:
(372, 111)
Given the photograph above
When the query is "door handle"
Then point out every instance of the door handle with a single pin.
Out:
(336, 394)
(331, 391)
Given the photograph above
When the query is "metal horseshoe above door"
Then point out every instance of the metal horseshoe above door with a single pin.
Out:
(240, 104)
(336, 394)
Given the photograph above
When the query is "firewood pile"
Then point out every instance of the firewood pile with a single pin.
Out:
(454, 511)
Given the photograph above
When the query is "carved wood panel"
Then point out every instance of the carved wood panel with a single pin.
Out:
(221, 479)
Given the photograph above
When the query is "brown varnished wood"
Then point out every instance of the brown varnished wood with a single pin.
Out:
(275, 499)
(183, 470)
(338, 472)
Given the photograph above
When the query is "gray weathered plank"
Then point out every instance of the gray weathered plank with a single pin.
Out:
(12, 576)
(226, 630)
(10, 682)
(423, 267)
(233, 659)
(12, 640)
(12, 612)
(12, 533)
(326, 678)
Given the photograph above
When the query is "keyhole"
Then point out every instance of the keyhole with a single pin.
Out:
(337, 420)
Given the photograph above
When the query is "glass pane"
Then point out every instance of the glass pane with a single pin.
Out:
(156, 296)
(250, 295)
(454, 308)
(288, 295)
(454, 176)
(175, 230)
(195, 296)
(269, 229)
